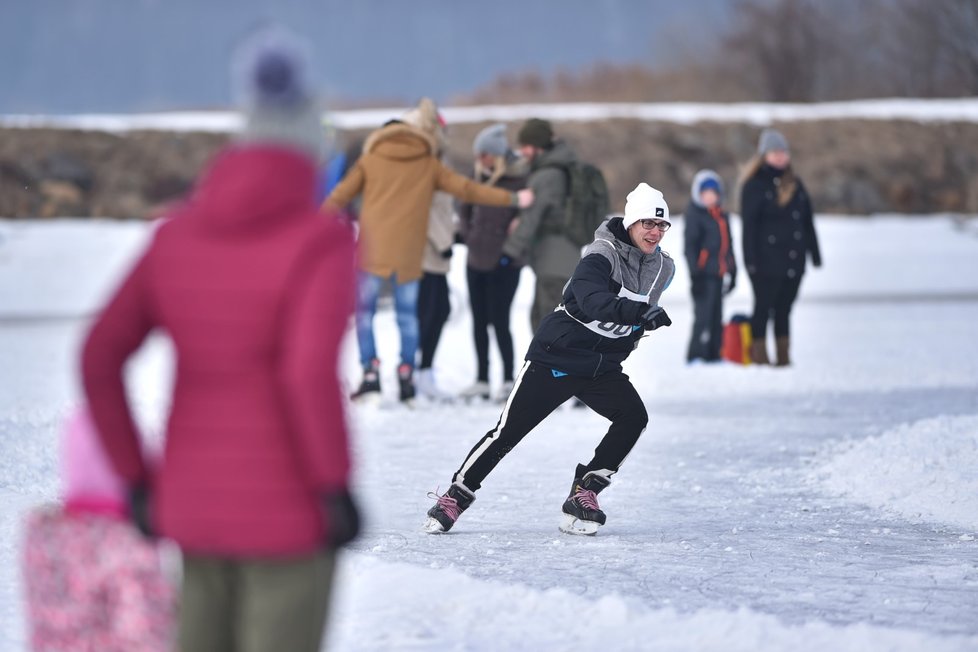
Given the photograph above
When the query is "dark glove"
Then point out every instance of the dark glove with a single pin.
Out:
(730, 284)
(342, 519)
(139, 501)
(447, 253)
(505, 261)
(655, 317)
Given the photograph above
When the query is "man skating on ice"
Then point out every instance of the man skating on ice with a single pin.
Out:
(611, 300)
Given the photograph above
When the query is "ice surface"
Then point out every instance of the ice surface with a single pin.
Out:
(828, 506)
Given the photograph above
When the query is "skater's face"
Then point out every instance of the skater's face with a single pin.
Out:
(647, 234)
(710, 197)
(778, 158)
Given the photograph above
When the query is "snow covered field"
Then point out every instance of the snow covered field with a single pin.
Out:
(829, 506)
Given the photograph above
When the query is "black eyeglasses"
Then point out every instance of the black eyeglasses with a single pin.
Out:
(648, 225)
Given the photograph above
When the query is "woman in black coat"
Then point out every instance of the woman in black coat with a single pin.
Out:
(778, 235)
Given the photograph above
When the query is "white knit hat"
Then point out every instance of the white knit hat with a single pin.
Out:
(273, 82)
(644, 203)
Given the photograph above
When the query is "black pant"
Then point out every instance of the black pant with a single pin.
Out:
(538, 392)
(773, 297)
(433, 310)
(491, 297)
(707, 336)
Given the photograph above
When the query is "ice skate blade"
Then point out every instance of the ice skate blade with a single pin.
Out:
(432, 526)
(571, 525)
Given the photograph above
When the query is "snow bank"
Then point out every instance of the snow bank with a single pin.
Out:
(927, 470)
(757, 113)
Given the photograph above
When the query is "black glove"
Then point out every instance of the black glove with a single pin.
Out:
(447, 253)
(342, 519)
(730, 284)
(655, 317)
(139, 500)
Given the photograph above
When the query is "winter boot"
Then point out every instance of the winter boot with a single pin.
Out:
(582, 515)
(449, 507)
(405, 378)
(782, 344)
(758, 352)
(369, 390)
(478, 390)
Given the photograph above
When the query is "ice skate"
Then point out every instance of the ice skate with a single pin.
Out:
(581, 513)
(405, 378)
(478, 391)
(449, 507)
(505, 391)
(427, 387)
(369, 391)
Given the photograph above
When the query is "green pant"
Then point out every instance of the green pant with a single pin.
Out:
(255, 605)
(548, 294)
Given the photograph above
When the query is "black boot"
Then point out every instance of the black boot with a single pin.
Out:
(405, 378)
(370, 386)
(582, 514)
(449, 507)
(782, 345)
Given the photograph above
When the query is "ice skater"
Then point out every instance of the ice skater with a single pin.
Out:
(611, 300)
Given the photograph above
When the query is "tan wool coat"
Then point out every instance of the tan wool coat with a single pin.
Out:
(398, 174)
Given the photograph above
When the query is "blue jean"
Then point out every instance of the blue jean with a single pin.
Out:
(406, 311)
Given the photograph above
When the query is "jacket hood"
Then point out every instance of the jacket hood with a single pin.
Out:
(249, 187)
(637, 268)
(698, 180)
(560, 154)
(400, 141)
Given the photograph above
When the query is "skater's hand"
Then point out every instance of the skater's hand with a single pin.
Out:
(655, 317)
(730, 284)
(524, 198)
(447, 253)
(342, 518)
(139, 501)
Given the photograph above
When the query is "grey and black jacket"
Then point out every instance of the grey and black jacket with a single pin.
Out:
(598, 324)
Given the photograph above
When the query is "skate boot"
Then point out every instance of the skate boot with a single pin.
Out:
(449, 507)
(405, 378)
(427, 386)
(369, 390)
(479, 390)
(582, 515)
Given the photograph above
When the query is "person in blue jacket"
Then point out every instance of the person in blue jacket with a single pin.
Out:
(607, 306)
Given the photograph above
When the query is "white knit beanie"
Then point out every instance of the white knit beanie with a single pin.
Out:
(643, 203)
(271, 72)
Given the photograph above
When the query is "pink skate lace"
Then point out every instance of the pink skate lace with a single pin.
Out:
(587, 499)
(448, 505)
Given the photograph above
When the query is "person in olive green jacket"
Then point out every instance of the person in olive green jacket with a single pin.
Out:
(538, 238)
(398, 174)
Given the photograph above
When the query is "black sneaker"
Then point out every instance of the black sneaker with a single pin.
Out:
(449, 507)
(582, 514)
(370, 386)
(405, 377)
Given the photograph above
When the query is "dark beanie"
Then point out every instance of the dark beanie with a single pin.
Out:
(536, 132)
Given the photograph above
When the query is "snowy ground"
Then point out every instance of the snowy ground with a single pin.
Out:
(829, 506)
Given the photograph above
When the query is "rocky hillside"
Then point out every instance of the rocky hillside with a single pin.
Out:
(849, 166)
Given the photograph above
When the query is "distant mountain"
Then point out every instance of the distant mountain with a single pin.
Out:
(136, 55)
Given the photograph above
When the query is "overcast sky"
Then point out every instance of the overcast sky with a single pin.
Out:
(65, 56)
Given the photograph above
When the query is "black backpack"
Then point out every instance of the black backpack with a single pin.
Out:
(587, 204)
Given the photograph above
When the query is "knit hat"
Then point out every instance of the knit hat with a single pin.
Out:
(771, 139)
(645, 202)
(272, 75)
(425, 116)
(537, 133)
(705, 180)
(492, 141)
(87, 473)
